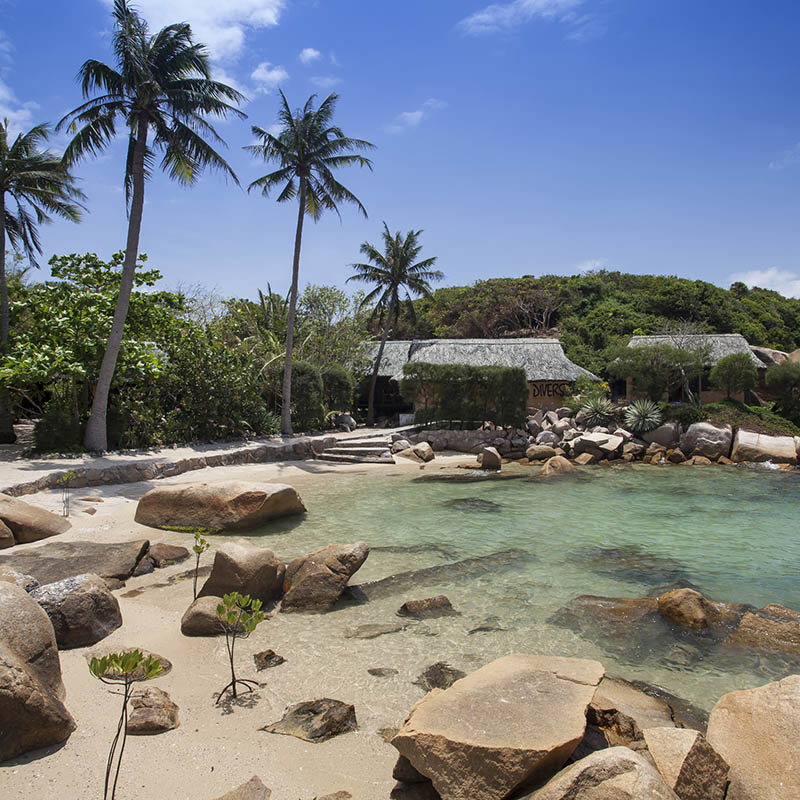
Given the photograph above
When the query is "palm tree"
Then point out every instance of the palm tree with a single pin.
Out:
(162, 84)
(308, 148)
(34, 187)
(391, 271)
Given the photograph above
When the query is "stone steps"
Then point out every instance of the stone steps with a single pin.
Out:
(347, 450)
(345, 458)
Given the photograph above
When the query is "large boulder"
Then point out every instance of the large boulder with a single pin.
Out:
(6, 536)
(82, 609)
(667, 435)
(32, 714)
(512, 723)
(688, 763)
(152, 711)
(614, 774)
(29, 523)
(705, 439)
(489, 458)
(201, 619)
(224, 506)
(688, 608)
(316, 581)
(245, 569)
(55, 561)
(768, 632)
(749, 446)
(26, 630)
(540, 452)
(756, 731)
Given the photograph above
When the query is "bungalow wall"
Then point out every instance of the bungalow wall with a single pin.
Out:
(707, 394)
(547, 394)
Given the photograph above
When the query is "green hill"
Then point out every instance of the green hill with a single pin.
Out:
(594, 312)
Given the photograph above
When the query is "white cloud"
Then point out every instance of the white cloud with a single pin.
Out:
(789, 158)
(781, 280)
(592, 264)
(18, 114)
(325, 81)
(268, 77)
(411, 119)
(503, 17)
(309, 55)
(219, 24)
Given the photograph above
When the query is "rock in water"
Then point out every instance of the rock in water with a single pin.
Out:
(245, 569)
(316, 720)
(316, 581)
(372, 630)
(690, 609)
(29, 523)
(267, 659)
(152, 711)
(756, 731)
(473, 504)
(768, 632)
(688, 763)
(31, 712)
(428, 608)
(557, 465)
(438, 676)
(254, 789)
(225, 506)
(82, 609)
(749, 446)
(614, 774)
(55, 561)
(471, 750)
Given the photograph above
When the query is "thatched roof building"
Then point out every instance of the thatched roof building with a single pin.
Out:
(719, 345)
(542, 359)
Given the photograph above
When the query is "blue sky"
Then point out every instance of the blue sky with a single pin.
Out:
(524, 137)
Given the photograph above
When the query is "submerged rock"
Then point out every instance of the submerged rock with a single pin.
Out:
(428, 608)
(632, 563)
(473, 504)
(316, 720)
(372, 630)
(224, 506)
(382, 672)
(690, 609)
(458, 739)
(756, 731)
(438, 676)
(267, 659)
(765, 632)
(557, 465)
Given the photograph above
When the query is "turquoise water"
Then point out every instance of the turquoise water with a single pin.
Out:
(620, 531)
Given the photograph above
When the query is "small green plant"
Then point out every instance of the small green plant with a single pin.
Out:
(199, 547)
(239, 614)
(65, 491)
(642, 416)
(122, 669)
(598, 410)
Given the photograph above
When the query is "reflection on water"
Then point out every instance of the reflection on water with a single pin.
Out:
(618, 532)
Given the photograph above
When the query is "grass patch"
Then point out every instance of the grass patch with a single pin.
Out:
(189, 529)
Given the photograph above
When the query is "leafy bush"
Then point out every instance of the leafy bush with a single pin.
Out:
(58, 429)
(684, 413)
(598, 411)
(752, 418)
(783, 380)
(642, 416)
(734, 373)
(307, 410)
(238, 615)
(337, 388)
(467, 393)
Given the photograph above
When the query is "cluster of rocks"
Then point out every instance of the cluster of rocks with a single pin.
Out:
(549, 728)
(565, 433)
(313, 582)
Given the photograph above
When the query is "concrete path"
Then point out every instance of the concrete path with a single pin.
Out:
(19, 476)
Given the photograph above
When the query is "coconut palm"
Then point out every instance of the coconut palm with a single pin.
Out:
(34, 187)
(393, 271)
(162, 85)
(308, 148)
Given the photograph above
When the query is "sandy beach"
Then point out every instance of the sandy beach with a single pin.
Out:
(216, 748)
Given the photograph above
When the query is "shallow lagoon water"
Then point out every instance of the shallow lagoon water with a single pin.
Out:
(620, 531)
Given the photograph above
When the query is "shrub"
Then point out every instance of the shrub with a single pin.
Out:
(58, 428)
(783, 380)
(598, 411)
(684, 413)
(734, 373)
(238, 614)
(337, 388)
(307, 410)
(642, 416)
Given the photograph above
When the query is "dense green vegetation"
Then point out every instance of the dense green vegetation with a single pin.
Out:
(593, 313)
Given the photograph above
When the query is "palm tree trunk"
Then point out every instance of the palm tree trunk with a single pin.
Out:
(286, 410)
(7, 435)
(374, 381)
(96, 436)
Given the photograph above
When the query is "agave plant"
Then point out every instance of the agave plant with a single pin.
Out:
(642, 416)
(598, 411)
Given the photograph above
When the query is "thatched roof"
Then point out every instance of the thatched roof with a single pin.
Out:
(719, 344)
(542, 359)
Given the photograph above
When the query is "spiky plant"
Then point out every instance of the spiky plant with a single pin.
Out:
(642, 416)
(598, 411)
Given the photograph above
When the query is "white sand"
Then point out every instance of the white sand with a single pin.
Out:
(217, 748)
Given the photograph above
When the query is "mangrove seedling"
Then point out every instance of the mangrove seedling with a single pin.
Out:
(239, 614)
(200, 546)
(122, 669)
